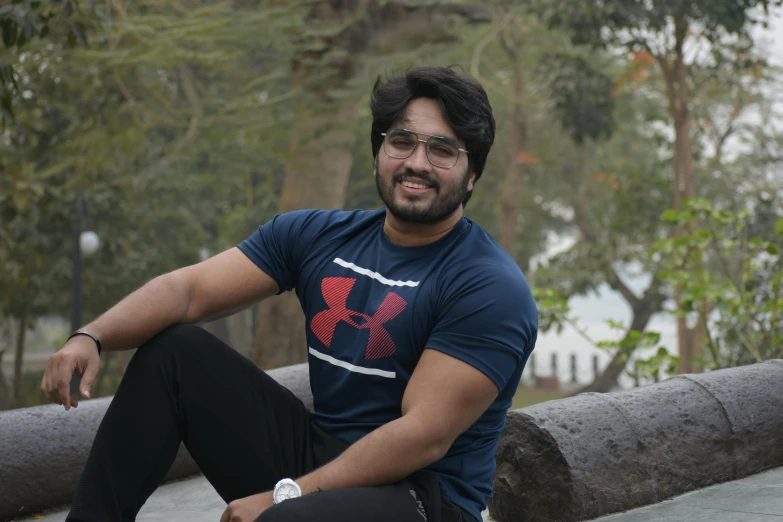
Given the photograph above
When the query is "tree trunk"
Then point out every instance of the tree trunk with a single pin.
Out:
(511, 188)
(675, 77)
(317, 177)
(690, 346)
(19, 362)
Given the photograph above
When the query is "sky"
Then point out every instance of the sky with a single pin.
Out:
(593, 311)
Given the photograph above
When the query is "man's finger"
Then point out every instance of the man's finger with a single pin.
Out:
(88, 378)
(63, 381)
(45, 384)
(63, 392)
(74, 401)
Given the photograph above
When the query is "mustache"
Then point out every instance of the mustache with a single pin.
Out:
(411, 175)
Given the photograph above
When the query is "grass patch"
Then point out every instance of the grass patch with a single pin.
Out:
(529, 396)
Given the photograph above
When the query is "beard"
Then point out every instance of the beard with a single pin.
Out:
(445, 202)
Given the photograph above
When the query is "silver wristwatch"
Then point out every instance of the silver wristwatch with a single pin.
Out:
(286, 489)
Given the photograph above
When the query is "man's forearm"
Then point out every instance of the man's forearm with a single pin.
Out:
(388, 454)
(133, 321)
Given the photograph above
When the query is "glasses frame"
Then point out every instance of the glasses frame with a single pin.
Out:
(426, 147)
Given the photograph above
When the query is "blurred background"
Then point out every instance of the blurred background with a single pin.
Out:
(636, 176)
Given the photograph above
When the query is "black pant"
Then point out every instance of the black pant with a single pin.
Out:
(244, 431)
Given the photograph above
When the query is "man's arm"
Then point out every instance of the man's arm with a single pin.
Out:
(216, 287)
(444, 397)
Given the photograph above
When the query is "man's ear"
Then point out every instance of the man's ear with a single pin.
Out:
(375, 166)
(471, 179)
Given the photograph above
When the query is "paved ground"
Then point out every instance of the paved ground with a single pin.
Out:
(754, 499)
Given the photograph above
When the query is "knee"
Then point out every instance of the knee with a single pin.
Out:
(172, 341)
(177, 335)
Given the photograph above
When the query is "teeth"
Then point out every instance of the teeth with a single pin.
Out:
(414, 185)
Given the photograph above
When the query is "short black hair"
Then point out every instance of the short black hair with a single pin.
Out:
(463, 100)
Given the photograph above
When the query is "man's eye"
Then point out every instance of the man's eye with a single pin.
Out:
(442, 151)
(402, 143)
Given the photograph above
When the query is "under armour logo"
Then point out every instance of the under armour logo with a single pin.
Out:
(335, 291)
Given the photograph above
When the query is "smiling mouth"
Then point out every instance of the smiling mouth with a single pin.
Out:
(415, 184)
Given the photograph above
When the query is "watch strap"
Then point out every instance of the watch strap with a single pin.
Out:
(88, 334)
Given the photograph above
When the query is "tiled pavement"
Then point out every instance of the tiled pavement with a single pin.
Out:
(754, 499)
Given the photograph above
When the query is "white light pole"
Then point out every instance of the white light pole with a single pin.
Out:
(85, 243)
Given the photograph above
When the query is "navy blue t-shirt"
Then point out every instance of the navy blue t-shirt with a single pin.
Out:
(371, 309)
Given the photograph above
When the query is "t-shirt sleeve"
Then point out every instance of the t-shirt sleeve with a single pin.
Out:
(487, 319)
(278, 246)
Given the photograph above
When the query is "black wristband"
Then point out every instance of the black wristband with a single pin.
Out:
(88, 334)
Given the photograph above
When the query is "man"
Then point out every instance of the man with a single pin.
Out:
(418, 328)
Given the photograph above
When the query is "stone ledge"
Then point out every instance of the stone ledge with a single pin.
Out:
(596, 454)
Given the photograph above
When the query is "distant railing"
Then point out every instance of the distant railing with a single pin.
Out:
(553, 379)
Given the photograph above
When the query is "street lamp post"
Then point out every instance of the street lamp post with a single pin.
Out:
(84, 242)
(76, 279)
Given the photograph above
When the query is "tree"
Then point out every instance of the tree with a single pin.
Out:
(23, 22)
(734, 279)
(139, 124)
(328, 72)
(661, 31)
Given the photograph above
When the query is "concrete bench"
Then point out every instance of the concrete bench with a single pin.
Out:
(571, 459)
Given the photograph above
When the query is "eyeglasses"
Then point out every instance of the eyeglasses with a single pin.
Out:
(441, 151)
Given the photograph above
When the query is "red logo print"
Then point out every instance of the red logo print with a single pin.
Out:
(335, 291)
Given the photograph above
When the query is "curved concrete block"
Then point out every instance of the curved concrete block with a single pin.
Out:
(595, 454)
(43, 449)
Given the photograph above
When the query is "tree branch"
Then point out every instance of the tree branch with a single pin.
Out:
(587, 229)
(476, 59)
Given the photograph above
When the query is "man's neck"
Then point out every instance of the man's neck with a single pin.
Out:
(403, 233)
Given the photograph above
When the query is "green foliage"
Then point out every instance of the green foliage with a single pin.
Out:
(583, 97)
(651, 368)
(24, 21)
(731, 280)
(554, 313)
(630, 22)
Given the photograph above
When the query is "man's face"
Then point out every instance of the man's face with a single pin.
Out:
(413, 189)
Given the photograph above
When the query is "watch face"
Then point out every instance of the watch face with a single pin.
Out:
(286, 491)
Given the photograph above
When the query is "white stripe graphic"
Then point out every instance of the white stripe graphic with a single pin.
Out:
(351, 367)
(374, 275)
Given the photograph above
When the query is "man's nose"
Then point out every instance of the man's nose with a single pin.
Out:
(418, 162)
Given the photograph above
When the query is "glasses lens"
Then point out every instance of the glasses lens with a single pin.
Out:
(442, 153)
(399, 143)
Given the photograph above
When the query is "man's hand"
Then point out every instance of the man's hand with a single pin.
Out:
(247, 509)
(78, 355)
